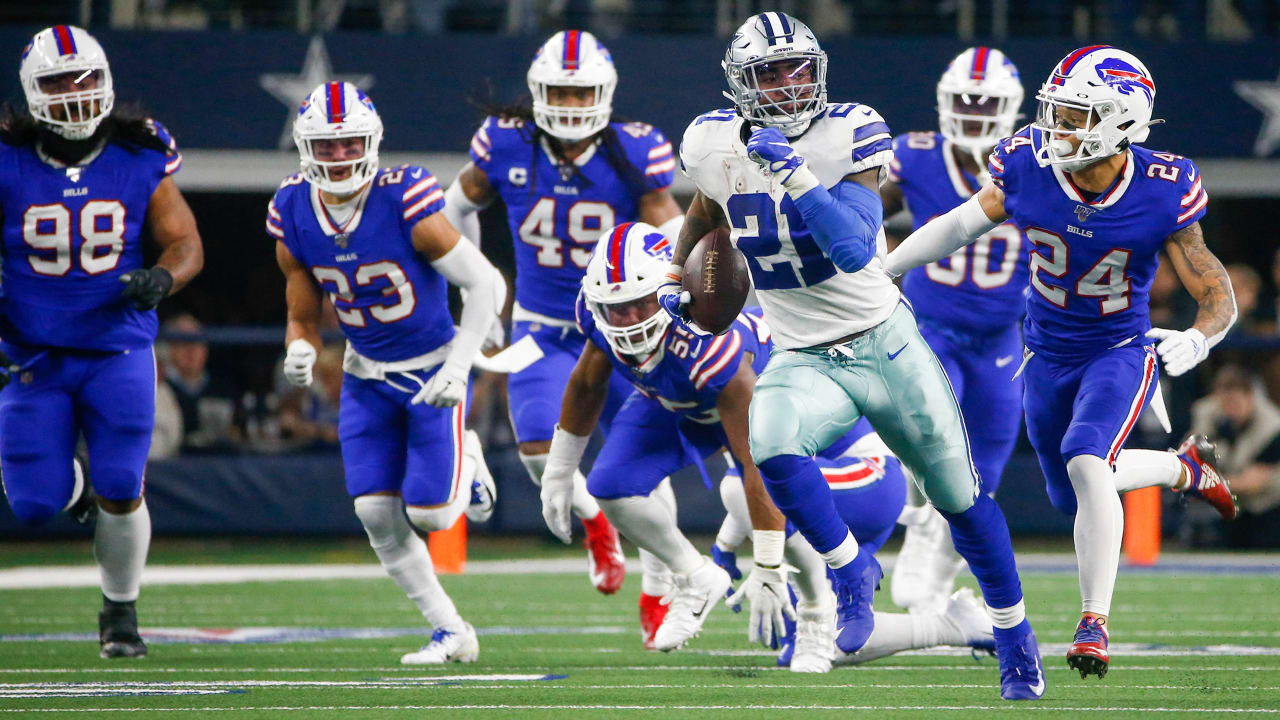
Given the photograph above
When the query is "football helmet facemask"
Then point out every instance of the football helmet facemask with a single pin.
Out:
(576, 59)
(67, 81)
(629, 263)
(978, 100)
(1113, 95)
(777, 73)
(337, 111)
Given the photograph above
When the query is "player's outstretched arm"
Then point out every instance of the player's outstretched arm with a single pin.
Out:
(462, 264)
(950, 231)
(584, 398)
(181, 255)
(1204, 277)
(766, 587)
(470, 193)
(302, 334)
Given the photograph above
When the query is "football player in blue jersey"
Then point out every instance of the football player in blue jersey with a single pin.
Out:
(566, 171)
(690, 400)
(78, 181)
(969, 305)
(795, 180)
(1098, 208)
(376, 242)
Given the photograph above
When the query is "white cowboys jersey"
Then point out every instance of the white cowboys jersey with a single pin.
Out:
(806, 299)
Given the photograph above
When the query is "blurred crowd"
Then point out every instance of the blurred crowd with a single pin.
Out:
(1167, 19)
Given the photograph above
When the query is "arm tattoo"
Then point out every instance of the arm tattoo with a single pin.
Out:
(702, 218)
(1216, 299)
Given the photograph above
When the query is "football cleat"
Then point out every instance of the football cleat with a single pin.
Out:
(854, 616)
(84, 508)
(652, 611)
(484, 493)
(966, 616)
(445, 647)
(606, 565)
(813, 645)
(689, 603)
(1198, 455)
(1021, 670)
(1088, 652)
(118, 630)
(924, 574)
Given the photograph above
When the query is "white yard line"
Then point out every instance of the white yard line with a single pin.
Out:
(1020, 708)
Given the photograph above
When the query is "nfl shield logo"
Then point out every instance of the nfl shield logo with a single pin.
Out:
(1084, 211)
(341, 240)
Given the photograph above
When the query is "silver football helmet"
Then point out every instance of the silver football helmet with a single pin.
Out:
(777, 73)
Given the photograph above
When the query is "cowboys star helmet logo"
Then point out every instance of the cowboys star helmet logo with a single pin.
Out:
(1084, 211)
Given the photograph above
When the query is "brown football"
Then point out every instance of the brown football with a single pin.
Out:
(716, 276)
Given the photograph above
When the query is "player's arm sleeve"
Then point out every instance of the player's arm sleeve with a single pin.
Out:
(940, 237)
(465, 267)
(461, 212)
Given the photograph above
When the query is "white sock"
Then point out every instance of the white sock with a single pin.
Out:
(655, 576)
(120, 544)
(1098, 532)
(1146, 468)
(895, 632)
(646, 522)
(584, 506)
(842, 554)
(405, 558)
(811, 582)
(736, 527)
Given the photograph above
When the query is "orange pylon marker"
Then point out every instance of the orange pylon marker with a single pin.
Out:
(1142, 526)
(448, 548)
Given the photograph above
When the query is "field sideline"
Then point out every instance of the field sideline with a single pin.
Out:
(1198, 636)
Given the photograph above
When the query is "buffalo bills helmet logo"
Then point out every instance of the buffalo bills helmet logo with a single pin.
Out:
(657, 245)
(1125, 78)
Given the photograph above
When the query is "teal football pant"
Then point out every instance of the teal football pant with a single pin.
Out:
(806, 399)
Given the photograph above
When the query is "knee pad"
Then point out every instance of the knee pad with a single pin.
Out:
(383, 518)
(775, 424)
(433, 519)
(952, 485)
(534, 464)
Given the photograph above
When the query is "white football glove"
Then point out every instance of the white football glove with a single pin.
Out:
(557, 499)
(446, 388)
(299, 359)
(1180, 350)
(766, 590)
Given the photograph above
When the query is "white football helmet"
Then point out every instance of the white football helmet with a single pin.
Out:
(774, 47)
(1115, 92)
(577, 59)
(58, 62)
(628, 264)
(978, 100)
(332, 111)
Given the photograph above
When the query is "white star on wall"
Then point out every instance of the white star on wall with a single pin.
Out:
(293, 89)
(1266, 97)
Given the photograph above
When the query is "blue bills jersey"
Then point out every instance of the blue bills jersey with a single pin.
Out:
(1093, 258)
(557, 216)
(392, 304)
(69, 234)
(978, 289)
(688, 371)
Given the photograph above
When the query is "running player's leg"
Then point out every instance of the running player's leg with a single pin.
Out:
(115, 408)
(915, 411)
(991, 403)
(37, 441)
(1115, 388)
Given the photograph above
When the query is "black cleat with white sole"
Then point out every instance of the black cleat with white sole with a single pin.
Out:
(118, 630)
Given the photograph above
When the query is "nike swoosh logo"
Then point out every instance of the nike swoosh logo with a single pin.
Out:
(705, 603)
(417, 173)
(1038, 688)
(1002, 361)
(893, 355)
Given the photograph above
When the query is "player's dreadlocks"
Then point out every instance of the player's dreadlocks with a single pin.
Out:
(531, 133)
(128, 126)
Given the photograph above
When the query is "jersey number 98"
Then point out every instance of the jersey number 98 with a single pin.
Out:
(47, 229)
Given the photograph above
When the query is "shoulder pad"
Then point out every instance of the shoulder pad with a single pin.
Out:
(173, 158)
(707, 133)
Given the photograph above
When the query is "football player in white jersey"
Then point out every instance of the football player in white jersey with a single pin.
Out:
(795, 179)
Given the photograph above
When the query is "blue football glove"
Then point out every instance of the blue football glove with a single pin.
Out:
(675, 300)
(769, 149)
(729, 561)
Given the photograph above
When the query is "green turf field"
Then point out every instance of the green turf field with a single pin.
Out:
(1191, 642)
